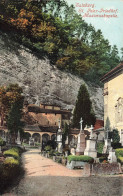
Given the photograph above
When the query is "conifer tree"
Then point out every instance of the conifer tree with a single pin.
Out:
(83, 109)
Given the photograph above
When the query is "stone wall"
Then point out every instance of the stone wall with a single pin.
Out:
(47, 119)
(107, 169)
(41, 81)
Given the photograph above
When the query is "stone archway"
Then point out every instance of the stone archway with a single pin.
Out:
(53, 137)
(45, 139)
(26, 137)
(37, 137)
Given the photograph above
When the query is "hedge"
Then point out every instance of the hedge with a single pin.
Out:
(119, 152)
(83, 158)
(12, 153)
(11, 162)
(10, 169)
(100, 147)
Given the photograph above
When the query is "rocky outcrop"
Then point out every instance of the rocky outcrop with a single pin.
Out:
(42, 82)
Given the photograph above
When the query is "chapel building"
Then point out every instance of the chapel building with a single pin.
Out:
(113, 99)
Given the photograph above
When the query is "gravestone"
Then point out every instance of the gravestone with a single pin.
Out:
(31, 141)
(91, 146)
(81, 144)
(59, 139)
(112, 157)
(66, 153)
(87, 170)
(18, 139)
(73, 151)
(107, 144)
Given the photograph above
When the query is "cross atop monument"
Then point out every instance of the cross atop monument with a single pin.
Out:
(81, 121)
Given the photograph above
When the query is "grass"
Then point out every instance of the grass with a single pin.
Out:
(83, 158)
(100, 147)
(119, 155)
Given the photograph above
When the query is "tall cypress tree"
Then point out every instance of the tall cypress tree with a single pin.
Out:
(83, 109)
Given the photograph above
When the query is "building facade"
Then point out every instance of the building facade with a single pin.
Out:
(113, 99)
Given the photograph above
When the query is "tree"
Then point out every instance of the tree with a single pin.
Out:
(11, 102)
(115, 136)
(83, 109)
(14, 119)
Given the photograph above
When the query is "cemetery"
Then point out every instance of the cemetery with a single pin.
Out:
(63, 140)
(86, 152)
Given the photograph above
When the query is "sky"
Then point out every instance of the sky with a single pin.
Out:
(112, 28)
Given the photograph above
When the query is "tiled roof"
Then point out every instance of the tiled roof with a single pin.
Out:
(37, 109)
(99, 124)
(39, 128)
(111, 73)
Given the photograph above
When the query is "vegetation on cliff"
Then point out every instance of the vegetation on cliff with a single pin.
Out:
(54, 29)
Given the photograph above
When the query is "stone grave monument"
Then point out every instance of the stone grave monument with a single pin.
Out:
(73, 151)
(81, 144)
(112, 157)
(18, 141)
(59, 139)
(107, 144)
(31, 141)
(91, 145)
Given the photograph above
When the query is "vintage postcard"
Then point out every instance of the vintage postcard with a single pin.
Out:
(61, 97)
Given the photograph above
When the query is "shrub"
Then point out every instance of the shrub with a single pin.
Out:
(12, 153)
(2, 142)
(119, 152)
(100, 147)
(116, 145)
(48, 148)
(51, 152)
(101, 159)
(11, 162)
(83, 158)
(120, 159)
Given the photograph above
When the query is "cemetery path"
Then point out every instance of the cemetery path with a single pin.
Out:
(44, 177)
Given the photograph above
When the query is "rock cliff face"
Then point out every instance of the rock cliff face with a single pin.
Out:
(42, 82)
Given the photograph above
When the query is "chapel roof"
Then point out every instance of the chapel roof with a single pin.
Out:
(114, 72)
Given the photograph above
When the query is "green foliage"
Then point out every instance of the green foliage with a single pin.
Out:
(1, 142)
(100, 147)
(14, 122)
(119, 155)
(48, 148)
(101, 159)
(11, 162)
(12, 153)
(10, 169)
(54, 29)
(120, 159)
(83, 158)
(114, 135)
(83, 109)
(119, 152)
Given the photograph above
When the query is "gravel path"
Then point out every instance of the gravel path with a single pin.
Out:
(46, 178)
